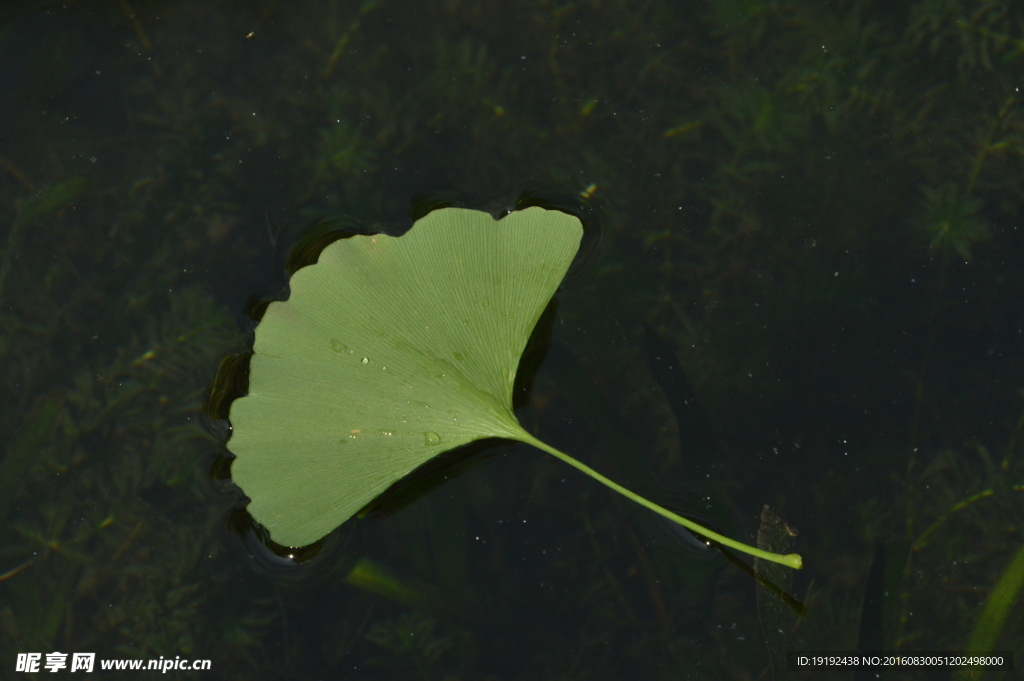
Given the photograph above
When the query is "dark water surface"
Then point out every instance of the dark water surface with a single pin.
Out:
(805, 292)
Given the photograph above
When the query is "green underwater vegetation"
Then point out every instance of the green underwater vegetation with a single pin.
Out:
(809, 228)
(951, 222)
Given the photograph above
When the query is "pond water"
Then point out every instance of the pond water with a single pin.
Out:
(800, 290)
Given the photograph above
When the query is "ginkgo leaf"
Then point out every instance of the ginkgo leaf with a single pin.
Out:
(390, 351)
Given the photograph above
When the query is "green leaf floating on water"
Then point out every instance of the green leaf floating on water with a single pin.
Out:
(390, 351)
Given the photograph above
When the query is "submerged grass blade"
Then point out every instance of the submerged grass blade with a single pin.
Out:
(993, 614)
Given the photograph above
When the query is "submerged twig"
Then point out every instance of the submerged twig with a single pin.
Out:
(12, 243)
(17, 174)
(18, 568)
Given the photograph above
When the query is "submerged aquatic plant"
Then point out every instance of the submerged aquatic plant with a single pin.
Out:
(392, 350)
(950, 220)
(344, 151)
